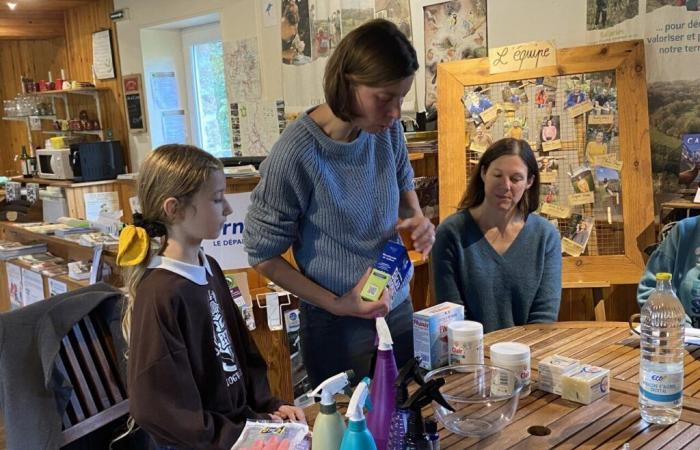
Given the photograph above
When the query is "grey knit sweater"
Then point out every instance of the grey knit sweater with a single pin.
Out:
(335, 203)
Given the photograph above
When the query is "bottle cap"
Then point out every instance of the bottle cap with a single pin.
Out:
(465, 329)
(510, 351)
(663, 276)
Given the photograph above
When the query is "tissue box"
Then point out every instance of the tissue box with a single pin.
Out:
(390, 270)
(430, 333)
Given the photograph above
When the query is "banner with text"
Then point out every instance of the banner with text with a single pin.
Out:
(227, 249)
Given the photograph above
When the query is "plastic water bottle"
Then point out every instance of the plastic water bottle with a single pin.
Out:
(661, 352)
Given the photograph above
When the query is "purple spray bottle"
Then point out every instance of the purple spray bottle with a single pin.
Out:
(383, 394)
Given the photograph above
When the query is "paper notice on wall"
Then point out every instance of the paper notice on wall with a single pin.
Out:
(32, 287)
(100, 202)
(102, 61)
(174, 127)
(14, 284)
(256, 126)
(227, 249)
(242, 69)
(164, 89)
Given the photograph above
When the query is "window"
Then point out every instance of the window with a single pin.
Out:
(206, 86)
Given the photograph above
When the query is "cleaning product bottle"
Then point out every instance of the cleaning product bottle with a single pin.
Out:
(416, 438)
(399, 418)
(357, 436)
(329, 425)
(433, 435)
(382, 394)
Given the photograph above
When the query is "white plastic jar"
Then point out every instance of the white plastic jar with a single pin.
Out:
(465, 340)
(515, 357)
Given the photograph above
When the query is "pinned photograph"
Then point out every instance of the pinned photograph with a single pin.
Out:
(548, 168)
(582, 180)
(549, 194)
(580, 232)
(602, 92)
(476, 101)
(608, 185)
(550, 138)
(598, 139)
(481, 139)
(295, 31)
(516, 128)
(514, 93)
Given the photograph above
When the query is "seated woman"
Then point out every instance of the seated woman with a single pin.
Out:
(678, 254)
(493, 256)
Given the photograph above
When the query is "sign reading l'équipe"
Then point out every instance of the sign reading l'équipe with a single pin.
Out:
(530, 55)
(227, 249)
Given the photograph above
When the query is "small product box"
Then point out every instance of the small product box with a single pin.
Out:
(430, 333)
(586, 385)
(551, 369)
(390, 270)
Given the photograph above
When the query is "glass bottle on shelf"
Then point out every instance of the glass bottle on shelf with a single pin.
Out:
(25, 162)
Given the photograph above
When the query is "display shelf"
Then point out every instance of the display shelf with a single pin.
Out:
(83, 91)
(25, 118)
(87, 132)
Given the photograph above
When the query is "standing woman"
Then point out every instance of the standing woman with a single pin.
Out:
(336, 187)
(493, 256)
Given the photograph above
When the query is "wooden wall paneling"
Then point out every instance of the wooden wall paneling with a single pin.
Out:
(32, 25)
(33, 58)
(80, 23)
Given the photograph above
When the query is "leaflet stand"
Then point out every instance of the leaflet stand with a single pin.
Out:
(274, 307)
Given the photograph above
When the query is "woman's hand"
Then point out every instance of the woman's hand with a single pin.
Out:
(291, 413)
(422, 233)
(351, 304)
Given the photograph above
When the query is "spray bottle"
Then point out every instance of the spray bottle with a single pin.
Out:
(416, 437)
(330, 426)
(399, 418)
(382, 394)
(357, 436)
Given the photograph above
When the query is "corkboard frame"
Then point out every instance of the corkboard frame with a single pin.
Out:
(627, 60)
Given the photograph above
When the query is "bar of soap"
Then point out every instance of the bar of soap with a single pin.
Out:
(551, 370)
(586, 385)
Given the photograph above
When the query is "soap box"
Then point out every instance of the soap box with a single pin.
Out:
(586, 385)
(390, 270)
(551, 369)
(430, 333)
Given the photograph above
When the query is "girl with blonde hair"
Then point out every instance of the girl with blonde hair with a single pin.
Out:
(194, 373)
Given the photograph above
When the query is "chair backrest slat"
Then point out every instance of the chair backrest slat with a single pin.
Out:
(104, 358)
(89, 368)
(80, 384)
(74, 413)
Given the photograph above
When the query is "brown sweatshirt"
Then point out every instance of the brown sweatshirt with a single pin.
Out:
(194, 373)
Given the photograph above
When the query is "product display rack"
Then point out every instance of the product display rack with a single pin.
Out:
(614, 254)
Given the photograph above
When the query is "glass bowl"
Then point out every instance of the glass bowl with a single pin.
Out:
(484, 398)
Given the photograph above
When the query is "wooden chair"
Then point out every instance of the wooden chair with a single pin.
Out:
(87, 357)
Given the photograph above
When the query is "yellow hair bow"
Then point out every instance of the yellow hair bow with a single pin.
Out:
(134, 244)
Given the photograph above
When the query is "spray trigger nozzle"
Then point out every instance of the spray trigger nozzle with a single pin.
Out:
(332, 386)
(384, 334)
(359, 400)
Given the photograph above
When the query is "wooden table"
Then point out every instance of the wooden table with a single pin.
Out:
(608, 423)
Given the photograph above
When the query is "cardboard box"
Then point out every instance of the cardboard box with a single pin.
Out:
(430, 333)
(390, 270)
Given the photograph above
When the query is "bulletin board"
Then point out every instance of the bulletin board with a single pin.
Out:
(586, 119)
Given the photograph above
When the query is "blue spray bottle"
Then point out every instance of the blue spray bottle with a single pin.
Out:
(399, 418)
(382, 394)
(357, 436)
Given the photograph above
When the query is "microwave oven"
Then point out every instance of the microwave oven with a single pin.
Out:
(54, 163)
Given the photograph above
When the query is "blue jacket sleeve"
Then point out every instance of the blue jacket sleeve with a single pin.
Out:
(663, 259)
(277, 203)
(545, 306)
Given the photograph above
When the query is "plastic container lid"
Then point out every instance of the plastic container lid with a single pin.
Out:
(510, 351)
(465, 329)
